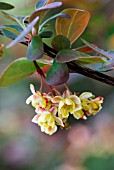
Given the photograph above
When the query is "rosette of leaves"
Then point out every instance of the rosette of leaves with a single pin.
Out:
(30, 31)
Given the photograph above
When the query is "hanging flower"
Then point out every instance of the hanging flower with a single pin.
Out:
(89, 105)
(67, 103)
(38, 99)
(53, 109)
(48, 120)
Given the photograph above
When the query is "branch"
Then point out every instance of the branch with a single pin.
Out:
(76, 68)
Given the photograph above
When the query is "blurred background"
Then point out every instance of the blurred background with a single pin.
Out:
(88, 145)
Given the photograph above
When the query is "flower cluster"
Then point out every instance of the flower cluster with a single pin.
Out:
(54, 110)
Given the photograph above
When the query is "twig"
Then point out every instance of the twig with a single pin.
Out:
(76, 68)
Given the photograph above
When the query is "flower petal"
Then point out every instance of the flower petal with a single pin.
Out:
(75, 99)
(59, 121)
(78, 114)
(68, 101)
(53, 110)
(56, 99)
(86, 95)
(29, 99)
(32, 88)
(40, 110)
(35, 119)
(66, 94)
(52, 131)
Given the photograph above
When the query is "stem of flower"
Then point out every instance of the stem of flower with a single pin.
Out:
(67, 88)
(41, 73)
(38, 69)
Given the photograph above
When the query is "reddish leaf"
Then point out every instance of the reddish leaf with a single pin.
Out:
(49, 1)
(72, 28)
(58, 74)
(1, 52)
(69, 55)
(40, 11)
(85, 49)
(98, 50)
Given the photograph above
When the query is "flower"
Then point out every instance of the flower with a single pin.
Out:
(48, 120)
(89, 105)
(95, 105)
(38, 99)
(67, 104)
(53, 109)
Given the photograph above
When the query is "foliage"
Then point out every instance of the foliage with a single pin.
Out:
(69, 25)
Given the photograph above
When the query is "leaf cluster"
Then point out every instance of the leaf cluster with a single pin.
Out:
(31, 31)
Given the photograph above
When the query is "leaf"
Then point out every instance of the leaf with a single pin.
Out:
(62, 15)
(23, 33)
(40, 3)
(72, 28)
(12, 31)
(60, 42)
(46, 34)
(90, 60)
(69, 55)
(58, 74)
(1, 52)
(109, 65)
(49, 1)
(41, 10)
(16, 71)
(84, 49)
(5, 6)
(98, 50)
(35, 49)
(19, 19)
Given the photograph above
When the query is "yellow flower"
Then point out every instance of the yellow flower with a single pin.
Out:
(79, 114)
(38, 99)
(89, 105)
(67, 104)
(95, 105)
(48, 120)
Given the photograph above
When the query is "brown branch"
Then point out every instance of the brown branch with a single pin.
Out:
(76, 68)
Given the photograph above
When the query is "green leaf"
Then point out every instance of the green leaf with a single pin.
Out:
(58, 74)
(91, 60)
(98, 50)
(72, 28)
(12, 31)
(35, 49)
(60, 42)
(109, 65)
(46, 34)
(16, 71)
(5, 6)
(23, 33)
(69, 55)
(19, 19)
(40, 4)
